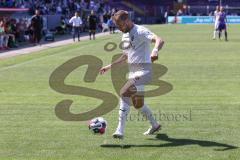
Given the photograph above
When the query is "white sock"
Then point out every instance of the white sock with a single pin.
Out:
(147, 112)
(123, 112)
(214, 34)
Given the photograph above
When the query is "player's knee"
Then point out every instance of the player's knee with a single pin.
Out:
(138, 105)
(138, 102)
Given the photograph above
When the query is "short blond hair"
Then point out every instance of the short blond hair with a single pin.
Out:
(120, 15)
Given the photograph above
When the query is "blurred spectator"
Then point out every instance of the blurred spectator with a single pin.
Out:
(59, 9)
(3, 37)
(21, 30)
(62, 28)
(111, 25)
(166, 14)
(106, 17)
(37, 26)
(92, 22)
(10, 31)
(179, 12)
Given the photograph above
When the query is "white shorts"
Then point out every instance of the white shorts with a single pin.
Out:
(216, 25)
(140, 78)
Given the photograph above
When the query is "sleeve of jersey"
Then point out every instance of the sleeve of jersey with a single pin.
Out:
(146, 35)
(81, 21)
(71, 20)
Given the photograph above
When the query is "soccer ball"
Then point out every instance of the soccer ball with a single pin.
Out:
(97, 125)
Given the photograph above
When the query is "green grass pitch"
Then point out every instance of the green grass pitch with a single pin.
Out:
(205, 76)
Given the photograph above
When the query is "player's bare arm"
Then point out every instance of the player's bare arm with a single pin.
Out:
(119, 61)
(159, 42)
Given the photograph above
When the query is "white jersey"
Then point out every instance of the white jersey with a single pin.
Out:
(136, 45)
(76, 21)
(216, 18)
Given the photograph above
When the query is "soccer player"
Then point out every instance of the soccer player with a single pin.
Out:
(216, 17)
(140, 59)
(76, 23)
(92, 22)
(222, 23)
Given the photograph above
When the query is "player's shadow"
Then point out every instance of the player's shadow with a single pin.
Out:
(175, 142)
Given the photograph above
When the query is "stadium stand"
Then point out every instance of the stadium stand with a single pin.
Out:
(16, 28)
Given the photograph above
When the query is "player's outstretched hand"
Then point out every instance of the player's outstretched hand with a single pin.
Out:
(104, 69)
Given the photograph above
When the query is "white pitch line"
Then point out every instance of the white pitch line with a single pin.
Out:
(38, 48)
(30, 50)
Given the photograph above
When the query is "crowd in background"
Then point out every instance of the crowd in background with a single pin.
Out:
(11, 31)
(16, 30)
(66, 8)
